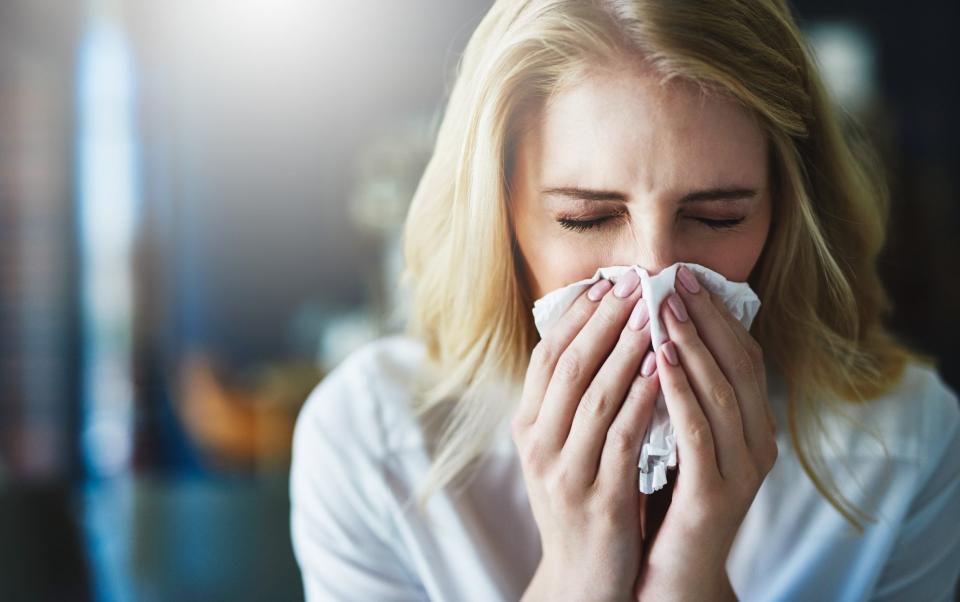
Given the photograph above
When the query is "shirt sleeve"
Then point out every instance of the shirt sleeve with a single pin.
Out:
(340, 532)
(925, 560)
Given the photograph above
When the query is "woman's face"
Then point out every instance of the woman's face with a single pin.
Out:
(619, 170)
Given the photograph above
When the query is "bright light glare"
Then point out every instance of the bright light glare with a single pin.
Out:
(848, 63)
(107, 211)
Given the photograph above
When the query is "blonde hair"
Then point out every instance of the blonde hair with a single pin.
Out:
(821, 322)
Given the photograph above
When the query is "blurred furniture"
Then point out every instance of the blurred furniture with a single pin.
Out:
(243, 427)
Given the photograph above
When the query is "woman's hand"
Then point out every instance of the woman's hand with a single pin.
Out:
(582, 417)
(714, 385)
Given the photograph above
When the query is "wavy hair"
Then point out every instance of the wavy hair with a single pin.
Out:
(821, 324)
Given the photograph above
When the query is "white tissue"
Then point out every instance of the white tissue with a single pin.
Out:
(659, 451)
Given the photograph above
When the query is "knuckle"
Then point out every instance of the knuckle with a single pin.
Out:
(544, 353)
(606, 316)
(744, 365)
(569, 366)
(636, 391)
(631, 342)
(676, 387)
(699, 435)
(723, 395)
(606, 508)
(595, 402)
(621, 440)
(561, 485)
(533, 456)
(583, 307)
(686, 333)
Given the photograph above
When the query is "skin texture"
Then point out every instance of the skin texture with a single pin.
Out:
(648, 149)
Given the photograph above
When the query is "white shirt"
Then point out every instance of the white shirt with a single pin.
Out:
(358, 455)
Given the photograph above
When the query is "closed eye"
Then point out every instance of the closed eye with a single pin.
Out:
(587, 224)
(719, 224)
(579, 225)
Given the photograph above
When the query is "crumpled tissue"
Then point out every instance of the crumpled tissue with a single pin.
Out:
(659, 451)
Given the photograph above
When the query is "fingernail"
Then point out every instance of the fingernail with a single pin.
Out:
(639, 315)
(627, 283)
(688, 280)
(670, 352)
(677, 306)
(599, 289)
(649, 365)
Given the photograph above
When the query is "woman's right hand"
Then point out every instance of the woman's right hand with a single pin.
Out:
(584, 410)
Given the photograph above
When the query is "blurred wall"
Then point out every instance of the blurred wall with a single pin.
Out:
(37, 241)
(252, 120)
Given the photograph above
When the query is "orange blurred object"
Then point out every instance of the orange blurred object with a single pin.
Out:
(243, 428)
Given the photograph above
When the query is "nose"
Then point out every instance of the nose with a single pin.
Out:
(652, 246)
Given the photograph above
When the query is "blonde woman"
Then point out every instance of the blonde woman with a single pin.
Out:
(468, 460)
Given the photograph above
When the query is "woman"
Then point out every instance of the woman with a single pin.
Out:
(466, 460)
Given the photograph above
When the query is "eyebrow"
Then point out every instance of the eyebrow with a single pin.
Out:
(709, 194)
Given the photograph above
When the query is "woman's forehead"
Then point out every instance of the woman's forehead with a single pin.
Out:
(624, 129)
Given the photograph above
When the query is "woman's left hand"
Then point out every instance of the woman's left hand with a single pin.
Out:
(716, 393)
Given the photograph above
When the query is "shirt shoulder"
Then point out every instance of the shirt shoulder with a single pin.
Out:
(897, 458)
(914, 420)
(342, 519)
(366, 400)
(938, 405)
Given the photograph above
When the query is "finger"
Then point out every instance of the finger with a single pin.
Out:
(722, 333)
(624, 440)
(758, 417)
(580, 361)
(695, 447)
(730, 344)
(544, 357)
(731, 358)
(601, 403)
(717, 396)
(756, 351)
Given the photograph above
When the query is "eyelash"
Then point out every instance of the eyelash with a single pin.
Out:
(582, 225)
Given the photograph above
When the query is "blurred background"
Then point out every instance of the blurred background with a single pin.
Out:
(200, 213)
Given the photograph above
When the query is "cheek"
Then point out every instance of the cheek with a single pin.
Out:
(736, 256)
(553, 260)
(563, 266)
